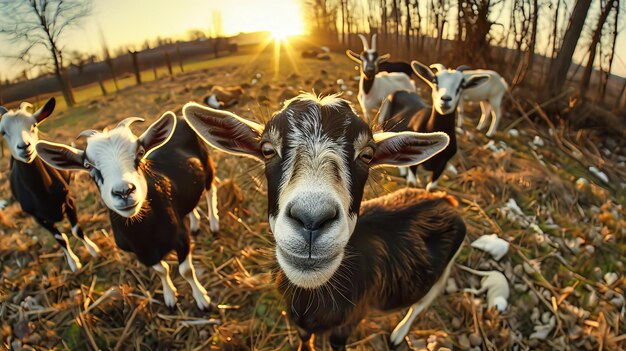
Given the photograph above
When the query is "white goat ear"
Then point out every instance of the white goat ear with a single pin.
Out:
(423, 72)
(476, 80)
(45, 111)
(407, 148)
(60, 156)
(158, 133)
(353, 56)
(224, 130)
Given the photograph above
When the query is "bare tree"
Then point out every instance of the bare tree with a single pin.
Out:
(612, 55)
(37, 27)
(586, 79)
(560, 65)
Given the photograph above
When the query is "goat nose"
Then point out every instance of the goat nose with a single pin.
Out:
(446, 98)
(312, 220)
(125, 191)
(23, 146)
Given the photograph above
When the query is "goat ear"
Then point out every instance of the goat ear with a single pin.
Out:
(158, 133)
(353, 56)
(383, 58)
(61, 156)
(476, 80)
(423, 72)
(407, 148)
(224, 130)
(45, 111)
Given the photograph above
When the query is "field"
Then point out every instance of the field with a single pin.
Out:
(565, 266)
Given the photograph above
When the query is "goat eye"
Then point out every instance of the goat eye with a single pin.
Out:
(268, 151)
(140, 152)
(367, 155)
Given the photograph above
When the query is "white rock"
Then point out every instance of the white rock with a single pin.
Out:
(492, 244)
(537, 141)
(598, 173)
(514, 133)
(451, 286)
(610, 278)
(340, 81)
(542, 331)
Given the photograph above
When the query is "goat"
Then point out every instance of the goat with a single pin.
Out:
(406, 111)
(489, 95)
(149, 184)
(338, 258)
(374, 86)
(42, 191)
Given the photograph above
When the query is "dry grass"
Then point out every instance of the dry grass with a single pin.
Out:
(115, 303)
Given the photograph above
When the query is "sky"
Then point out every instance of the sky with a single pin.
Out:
(131, 22)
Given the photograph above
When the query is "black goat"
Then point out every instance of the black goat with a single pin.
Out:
(149, 184)
(42, 191)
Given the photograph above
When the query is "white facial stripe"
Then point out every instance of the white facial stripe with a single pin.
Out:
(448, 84)
(19, 131)
(276, 140)
(360, 143)
(113, 153)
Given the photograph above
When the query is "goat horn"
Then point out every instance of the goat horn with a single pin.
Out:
(374, 42)
(437, 67)
(462, 68)
(87, 133)
(364, 40)
(3, 110)
(126, 122)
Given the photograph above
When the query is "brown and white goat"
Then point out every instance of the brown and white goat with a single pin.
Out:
(337, 257)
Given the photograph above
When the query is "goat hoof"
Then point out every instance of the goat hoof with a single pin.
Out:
(204, 302)
(169, 298)
(214, 226)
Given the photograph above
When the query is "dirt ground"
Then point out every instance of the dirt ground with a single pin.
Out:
(565, 265)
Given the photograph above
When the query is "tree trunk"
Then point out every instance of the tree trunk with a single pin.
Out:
(66, 88)
(560, 65)
(586, 79)
(101, 84)
(407, 29)
(133, 55)
(608, 72)
(168, 62)
(180, 58)
(555, 28)
(621, 99)
(343, 22)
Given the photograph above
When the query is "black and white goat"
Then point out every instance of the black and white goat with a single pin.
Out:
(149, 184)
(42, 191)
(489, 94)
(405, 111)
(375, 86)
(338, 258)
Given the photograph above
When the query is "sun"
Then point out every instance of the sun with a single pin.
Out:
(280, 31)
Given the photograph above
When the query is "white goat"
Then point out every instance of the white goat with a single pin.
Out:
(489, 95)
(375, 86)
